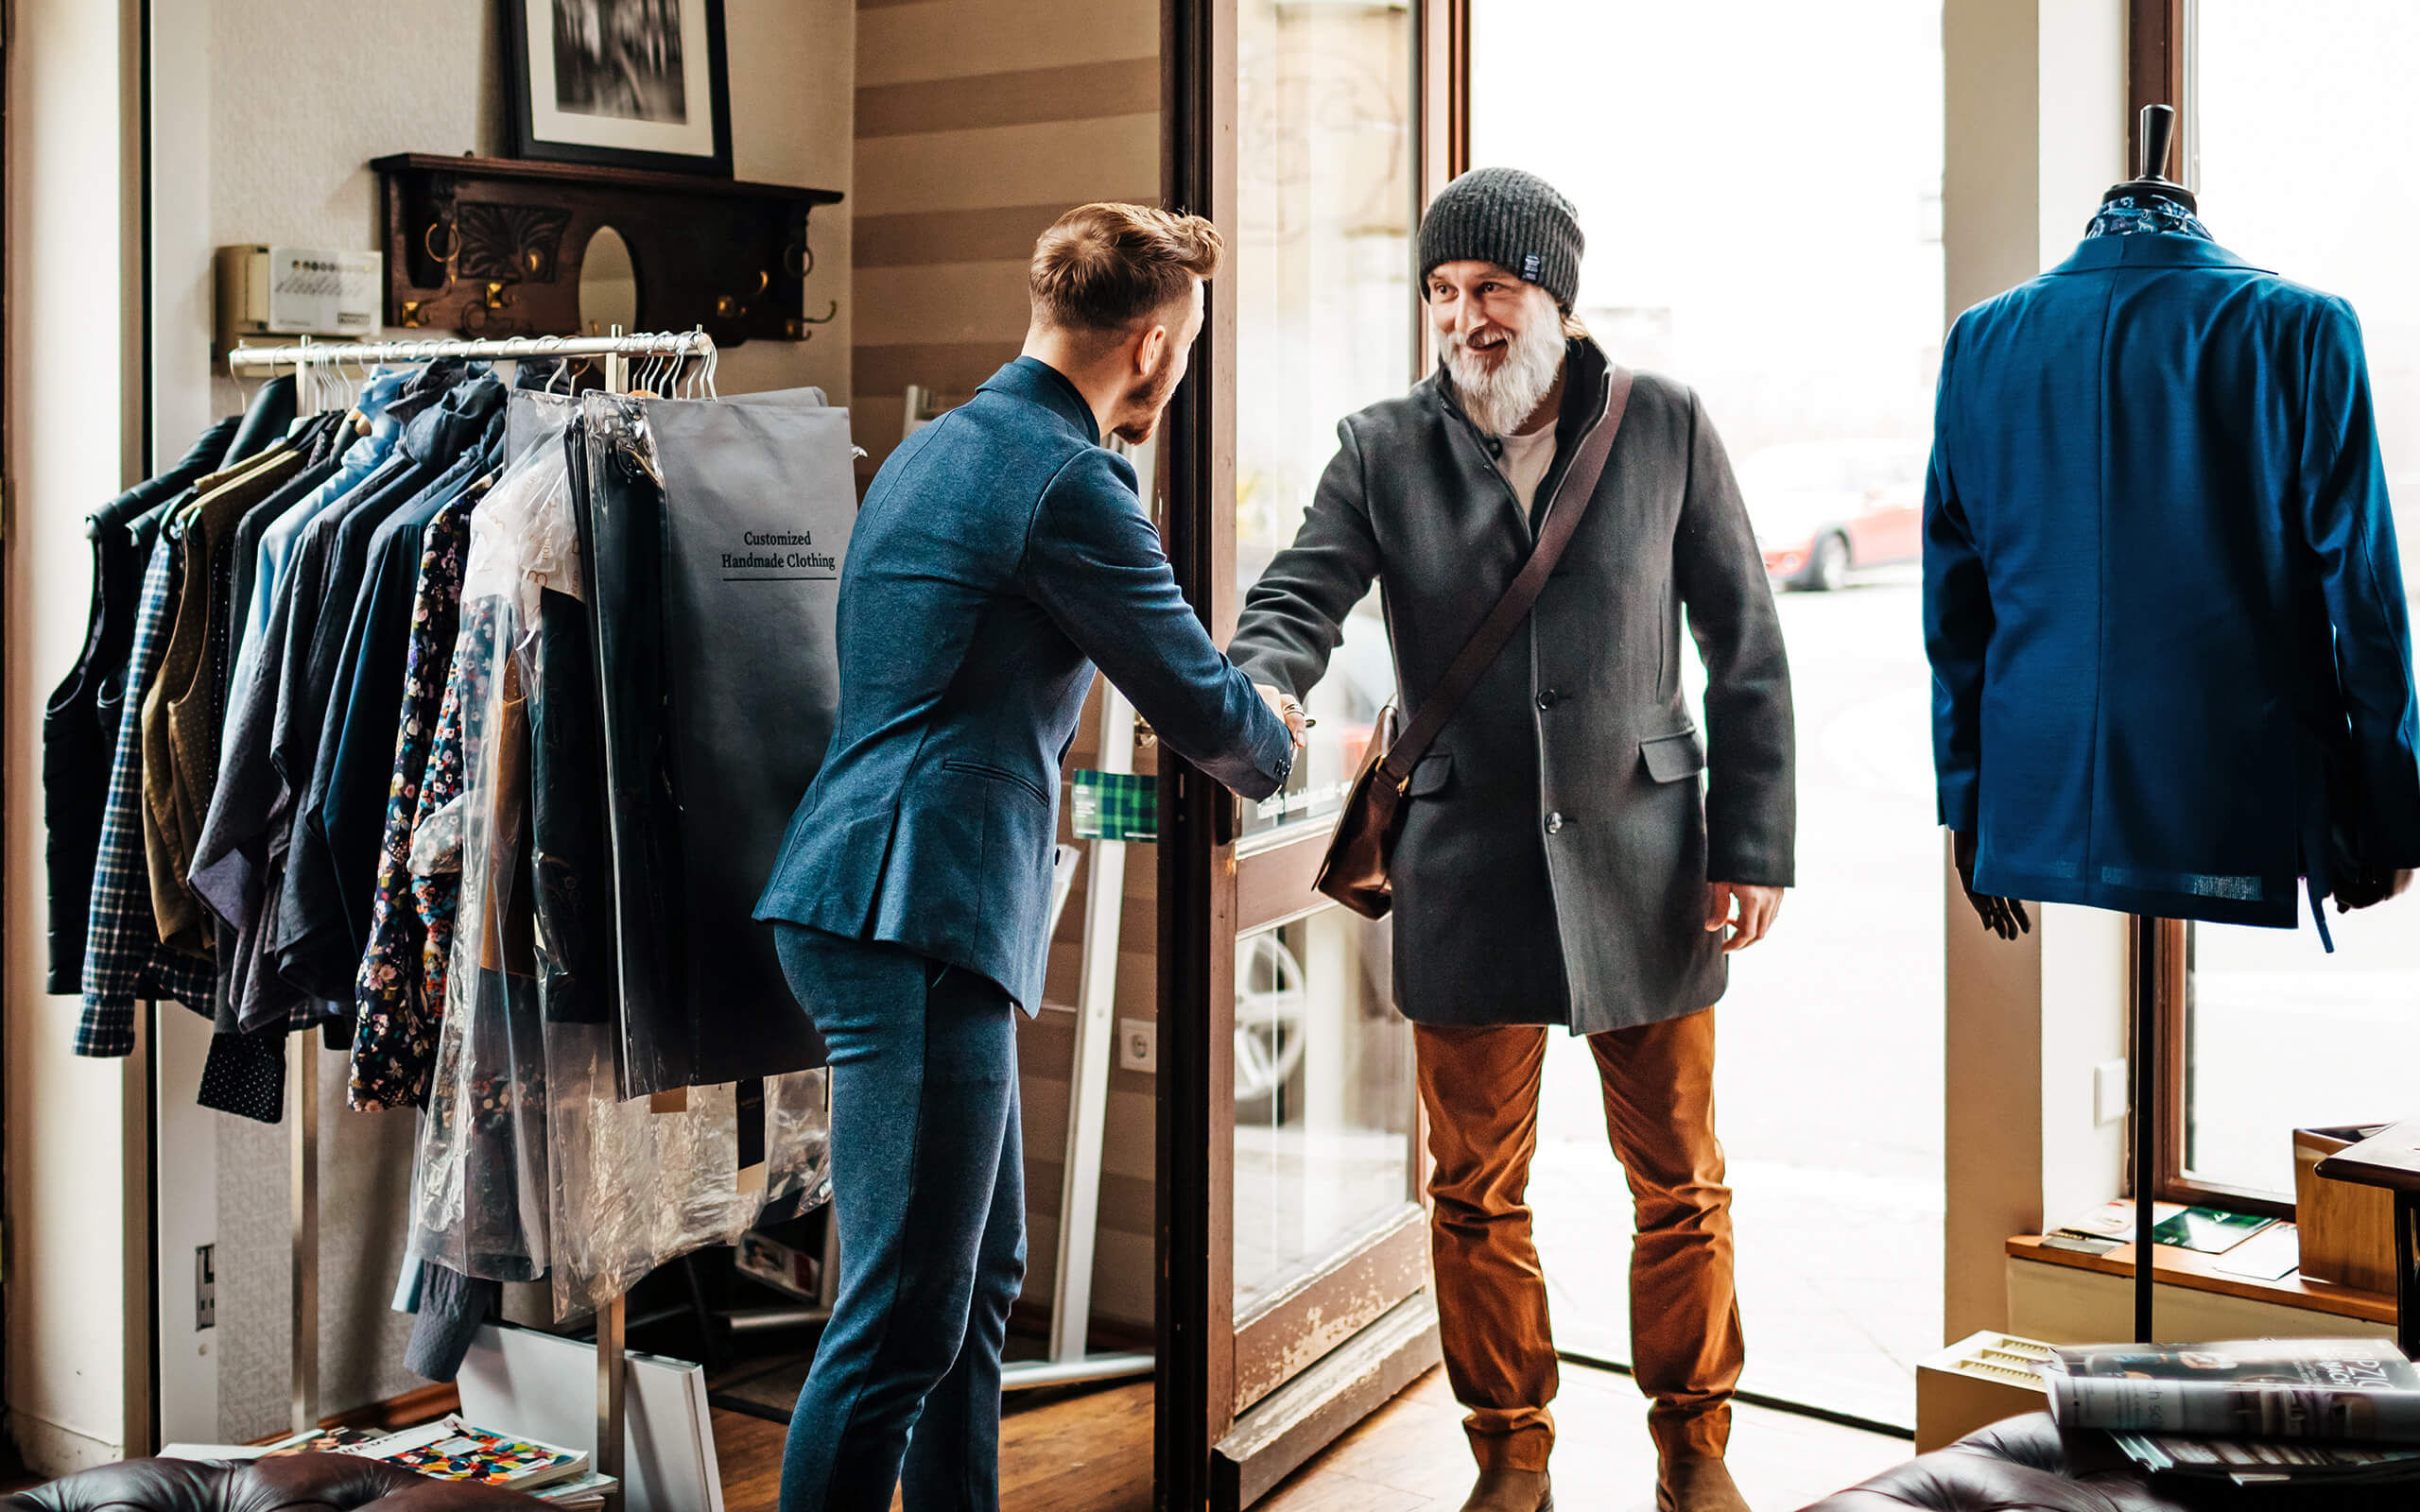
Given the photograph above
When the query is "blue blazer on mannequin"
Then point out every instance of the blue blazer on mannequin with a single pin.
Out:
(2162, 597)
(1000, 555)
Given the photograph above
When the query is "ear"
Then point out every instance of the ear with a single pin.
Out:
(1150, 349)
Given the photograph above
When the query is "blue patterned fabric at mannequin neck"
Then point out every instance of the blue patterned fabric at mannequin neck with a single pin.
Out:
(2136, 215)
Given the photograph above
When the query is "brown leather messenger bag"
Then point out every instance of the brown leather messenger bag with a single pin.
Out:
(1356, 871)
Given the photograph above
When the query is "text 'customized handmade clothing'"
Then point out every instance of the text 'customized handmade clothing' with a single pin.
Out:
(2162, 594)
(1553, 859)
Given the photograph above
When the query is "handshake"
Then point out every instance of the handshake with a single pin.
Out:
(1289, 708)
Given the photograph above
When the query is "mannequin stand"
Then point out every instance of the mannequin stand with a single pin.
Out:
(2143, 1006)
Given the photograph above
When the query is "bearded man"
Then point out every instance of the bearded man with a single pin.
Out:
(1562, 861)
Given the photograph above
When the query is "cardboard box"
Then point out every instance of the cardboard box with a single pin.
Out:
(2348, 1230)
(1978, 1381)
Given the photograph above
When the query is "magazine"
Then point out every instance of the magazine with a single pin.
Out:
(586, 1494)
(452, 1449)
(2249, 1388)
(321, 1441)
(2268, 1462)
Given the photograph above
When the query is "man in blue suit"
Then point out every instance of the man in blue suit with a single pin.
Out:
(1001, 553)
(2171, 660)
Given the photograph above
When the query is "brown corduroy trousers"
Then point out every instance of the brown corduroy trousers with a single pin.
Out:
(1481, 1089)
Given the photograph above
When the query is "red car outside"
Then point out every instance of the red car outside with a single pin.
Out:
(1824, 508)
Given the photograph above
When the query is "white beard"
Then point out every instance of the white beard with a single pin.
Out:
(1500, 397)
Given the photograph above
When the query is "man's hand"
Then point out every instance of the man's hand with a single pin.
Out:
(1758, 906)
(1287, 708)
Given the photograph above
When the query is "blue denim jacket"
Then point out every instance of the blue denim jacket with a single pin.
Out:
(1000, 555)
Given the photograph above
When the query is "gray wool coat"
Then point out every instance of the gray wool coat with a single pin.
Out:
(1553, 860)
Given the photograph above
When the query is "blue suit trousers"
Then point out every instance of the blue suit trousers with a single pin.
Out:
(928, 1189)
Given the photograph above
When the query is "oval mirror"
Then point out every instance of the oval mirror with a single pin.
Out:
(608, 286)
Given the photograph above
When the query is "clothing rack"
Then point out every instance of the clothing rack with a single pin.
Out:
(617, 350)
(618, 345)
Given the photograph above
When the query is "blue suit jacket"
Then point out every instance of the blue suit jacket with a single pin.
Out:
(1000, 554)
(2162, 596)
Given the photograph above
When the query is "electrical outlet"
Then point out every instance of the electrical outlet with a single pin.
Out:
(205, 1287)
(2109, 1091)
(1138, 1044)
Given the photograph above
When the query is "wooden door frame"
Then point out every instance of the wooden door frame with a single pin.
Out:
(1204, 1453)
(1195, 1284)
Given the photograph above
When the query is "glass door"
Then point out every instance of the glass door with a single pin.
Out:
(1297, 1247)
(1817, 370)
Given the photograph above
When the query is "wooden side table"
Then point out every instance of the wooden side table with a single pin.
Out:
(2390, 1159)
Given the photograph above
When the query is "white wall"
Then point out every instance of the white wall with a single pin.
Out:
(74, 1128)
(264, 116)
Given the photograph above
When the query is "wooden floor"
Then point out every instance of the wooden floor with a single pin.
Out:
(1093, 1453)
(1088, 1453)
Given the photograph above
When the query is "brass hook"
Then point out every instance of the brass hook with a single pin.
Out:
(429, 240)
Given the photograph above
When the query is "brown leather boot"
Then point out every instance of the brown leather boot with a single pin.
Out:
(1512, 1491)
(1696, 1483)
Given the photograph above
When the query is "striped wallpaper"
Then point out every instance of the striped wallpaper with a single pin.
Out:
(977, 122)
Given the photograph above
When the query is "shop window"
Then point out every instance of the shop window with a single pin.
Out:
(2302, 118)
(1760, 187)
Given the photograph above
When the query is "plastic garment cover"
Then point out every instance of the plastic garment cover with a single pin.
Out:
(716, 531)
(532, 1163)
(481, 1184)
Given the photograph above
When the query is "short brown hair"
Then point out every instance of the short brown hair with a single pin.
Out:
(1106, 268)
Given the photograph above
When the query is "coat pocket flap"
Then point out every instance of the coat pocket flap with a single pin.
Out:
(1431, 774)
(1669, 758)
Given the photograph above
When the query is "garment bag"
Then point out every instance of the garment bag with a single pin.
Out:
(732, 519)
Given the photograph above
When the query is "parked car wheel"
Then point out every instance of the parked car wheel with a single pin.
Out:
(1829, 570)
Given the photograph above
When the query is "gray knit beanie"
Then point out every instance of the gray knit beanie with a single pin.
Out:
(1513, 220)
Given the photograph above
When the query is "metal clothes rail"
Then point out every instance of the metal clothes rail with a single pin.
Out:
(617, 350)
(513, 349)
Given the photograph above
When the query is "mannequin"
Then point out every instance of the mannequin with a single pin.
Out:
(2170, 647)
(2359, 879)
(2006, 917)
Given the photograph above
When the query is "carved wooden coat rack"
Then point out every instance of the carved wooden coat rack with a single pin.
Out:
(492, 247)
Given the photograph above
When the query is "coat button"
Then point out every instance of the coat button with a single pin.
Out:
(1549, 698)
(1554, 824)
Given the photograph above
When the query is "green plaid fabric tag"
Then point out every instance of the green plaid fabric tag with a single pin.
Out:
(1115, 806)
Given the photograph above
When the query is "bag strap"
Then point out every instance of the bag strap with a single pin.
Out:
(1564, 512)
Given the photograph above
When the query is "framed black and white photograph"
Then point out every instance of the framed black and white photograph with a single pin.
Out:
(627, 83)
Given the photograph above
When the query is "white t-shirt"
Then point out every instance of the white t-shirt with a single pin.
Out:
(1525, 462)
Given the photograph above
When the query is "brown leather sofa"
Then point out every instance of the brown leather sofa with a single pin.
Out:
(293, 1482)
(2026, 1465)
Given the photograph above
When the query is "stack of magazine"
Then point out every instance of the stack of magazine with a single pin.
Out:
(449, 1449)
(2257, 1412)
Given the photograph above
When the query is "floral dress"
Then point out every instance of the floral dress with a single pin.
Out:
(394, 1024)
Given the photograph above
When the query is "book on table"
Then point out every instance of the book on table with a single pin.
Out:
(2334, 1389)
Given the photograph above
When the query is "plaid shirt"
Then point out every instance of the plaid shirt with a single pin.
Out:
(124, 961)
